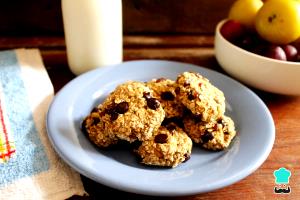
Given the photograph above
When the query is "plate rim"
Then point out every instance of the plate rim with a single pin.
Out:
(103, 180)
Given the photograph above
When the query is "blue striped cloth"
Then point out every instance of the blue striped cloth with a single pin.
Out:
(30, 157)
(35, 171)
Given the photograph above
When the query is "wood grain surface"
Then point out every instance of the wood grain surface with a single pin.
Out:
(197, 49)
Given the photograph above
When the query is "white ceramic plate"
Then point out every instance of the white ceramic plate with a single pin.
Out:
(205, 171)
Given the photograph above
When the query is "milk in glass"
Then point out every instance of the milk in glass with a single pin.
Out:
(93, 33)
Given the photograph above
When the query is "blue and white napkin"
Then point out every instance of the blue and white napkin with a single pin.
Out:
(29, 167)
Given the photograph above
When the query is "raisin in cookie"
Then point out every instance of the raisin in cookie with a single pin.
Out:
(164, 91)
(94, 127)
(214, 135)
(200, 96)
(168, 147)
(131, 112)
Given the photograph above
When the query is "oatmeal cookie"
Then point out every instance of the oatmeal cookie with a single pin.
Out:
(131, 112)
(164, 91)
(168, 147)
(94, 128)
(200, 96)
(214, 135)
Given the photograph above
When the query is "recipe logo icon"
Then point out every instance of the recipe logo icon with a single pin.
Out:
(282, 176)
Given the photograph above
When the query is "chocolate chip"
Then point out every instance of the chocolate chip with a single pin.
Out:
(191, 96)
(153, 103)
(160, 80)
(95, 121)
(114, 116)
(220, 121)
(177, 90)
(185, 84)
(146, 95)
(187, 157)
(122, 107)
(110, 109)
(207, 136)
(167, 96)
(171, 127)
(226, 133)
(161, 138)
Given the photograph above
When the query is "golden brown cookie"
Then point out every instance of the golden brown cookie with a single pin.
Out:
(95, 129)
(164, 91)
(131, 112)
(214, 135)
(168, 147)
(200, 96)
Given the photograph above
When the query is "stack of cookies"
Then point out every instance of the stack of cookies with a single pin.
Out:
(165, 116)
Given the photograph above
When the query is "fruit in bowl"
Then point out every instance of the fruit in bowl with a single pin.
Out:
(273, 31)
(255, 58)
(249, 10)
(260, 72)
(239, 35)
(278, 21)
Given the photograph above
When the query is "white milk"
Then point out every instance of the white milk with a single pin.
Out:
(93, 33)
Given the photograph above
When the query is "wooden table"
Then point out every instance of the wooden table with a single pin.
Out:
(197, 49)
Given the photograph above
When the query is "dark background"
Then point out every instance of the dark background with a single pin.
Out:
(43, 17)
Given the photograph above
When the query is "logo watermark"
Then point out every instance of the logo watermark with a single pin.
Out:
(282, 176)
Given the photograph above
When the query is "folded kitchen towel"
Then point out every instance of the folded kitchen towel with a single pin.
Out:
(29, 167)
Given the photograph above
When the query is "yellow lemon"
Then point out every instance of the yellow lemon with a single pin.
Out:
(245, 11)
(278, 21)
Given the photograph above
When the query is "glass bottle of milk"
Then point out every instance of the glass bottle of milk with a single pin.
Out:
(93, 33)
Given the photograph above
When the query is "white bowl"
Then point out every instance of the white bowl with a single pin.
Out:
(281, 77)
